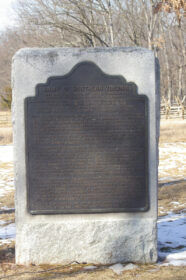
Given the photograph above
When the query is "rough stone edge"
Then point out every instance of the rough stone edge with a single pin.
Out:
(24, 52)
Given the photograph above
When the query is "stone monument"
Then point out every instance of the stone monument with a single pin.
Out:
(86, 128)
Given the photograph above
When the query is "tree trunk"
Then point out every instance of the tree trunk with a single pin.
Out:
(180, 89)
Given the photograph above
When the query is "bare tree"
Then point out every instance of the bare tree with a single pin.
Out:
(154, 24)
(176, 9)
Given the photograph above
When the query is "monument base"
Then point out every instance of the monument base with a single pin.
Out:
(98, 242)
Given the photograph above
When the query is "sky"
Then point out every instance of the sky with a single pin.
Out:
(6, 14)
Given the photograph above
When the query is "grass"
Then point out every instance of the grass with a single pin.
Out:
(7, 200)
(172, 131)
(5, 135)
(77, 272)
(5, 119)
(175, 192)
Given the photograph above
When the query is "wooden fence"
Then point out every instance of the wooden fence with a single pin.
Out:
(167, 111)
(175, 110)
(5, 119)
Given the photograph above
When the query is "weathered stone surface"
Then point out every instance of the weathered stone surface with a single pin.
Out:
(93, 242)
(98, 238)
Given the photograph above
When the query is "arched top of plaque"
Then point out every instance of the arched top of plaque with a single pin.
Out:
(85, 77)
(86, 139)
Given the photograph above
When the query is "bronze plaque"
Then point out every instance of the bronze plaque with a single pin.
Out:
(86, 144)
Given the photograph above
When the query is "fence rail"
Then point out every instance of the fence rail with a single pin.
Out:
(176, 109)
(172, 112)
(5, 119)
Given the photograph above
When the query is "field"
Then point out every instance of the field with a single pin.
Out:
(5, 128)
(172, 131)
(171, 223)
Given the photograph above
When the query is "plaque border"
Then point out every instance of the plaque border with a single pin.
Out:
(87, 211)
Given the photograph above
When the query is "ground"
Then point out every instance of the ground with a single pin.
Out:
(171, 222)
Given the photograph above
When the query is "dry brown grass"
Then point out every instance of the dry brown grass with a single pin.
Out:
(5, 119)
(174, 192)
(7, 200)
(5, 135)
(76, 272)
(173, 131)
(8, 218)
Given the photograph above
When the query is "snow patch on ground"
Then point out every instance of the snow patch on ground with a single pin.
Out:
(7, 232)
(90, 267)
(172, 239)
(177, 259)
(6, 153)
(118, 268)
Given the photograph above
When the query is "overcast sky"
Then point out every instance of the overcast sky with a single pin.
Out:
(6, 13)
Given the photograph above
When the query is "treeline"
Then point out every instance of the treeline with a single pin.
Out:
(154, 24)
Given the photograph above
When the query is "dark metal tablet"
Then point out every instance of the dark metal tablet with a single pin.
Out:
(86, 144)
